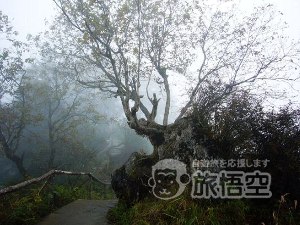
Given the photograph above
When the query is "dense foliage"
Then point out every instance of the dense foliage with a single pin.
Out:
(243, 129)
(239, 129)
(184, 211)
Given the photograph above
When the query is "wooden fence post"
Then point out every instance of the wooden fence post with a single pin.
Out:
(52, 190)
(91, 187)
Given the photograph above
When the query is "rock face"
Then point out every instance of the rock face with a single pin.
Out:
(181, 142)
(130, 182)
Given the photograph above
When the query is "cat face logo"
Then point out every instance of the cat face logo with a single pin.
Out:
(169, 179)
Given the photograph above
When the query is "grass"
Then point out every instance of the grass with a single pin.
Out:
(180, 211)
(186, 211)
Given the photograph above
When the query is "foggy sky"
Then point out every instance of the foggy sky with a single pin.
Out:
(28, 16)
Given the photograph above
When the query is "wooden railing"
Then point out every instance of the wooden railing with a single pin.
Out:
(50, 176)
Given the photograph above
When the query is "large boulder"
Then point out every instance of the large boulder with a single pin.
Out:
(181, 142)
(130, 182)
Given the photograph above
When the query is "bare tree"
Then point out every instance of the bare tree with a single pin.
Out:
(15, 117)
(63, 108)
(119, 47)
(11, 134)
(14, 100)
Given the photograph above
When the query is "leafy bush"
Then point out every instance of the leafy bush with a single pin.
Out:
(180, 212)
(239, 129)
(185, 211)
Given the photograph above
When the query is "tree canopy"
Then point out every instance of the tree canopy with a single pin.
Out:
(120, 47)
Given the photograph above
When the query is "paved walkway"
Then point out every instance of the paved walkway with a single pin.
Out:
(81, 212)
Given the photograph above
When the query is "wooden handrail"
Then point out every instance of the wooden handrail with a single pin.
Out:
(45, 176)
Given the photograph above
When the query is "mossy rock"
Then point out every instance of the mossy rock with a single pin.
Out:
(130, 182)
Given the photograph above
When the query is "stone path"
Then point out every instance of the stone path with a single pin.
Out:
(81, 212)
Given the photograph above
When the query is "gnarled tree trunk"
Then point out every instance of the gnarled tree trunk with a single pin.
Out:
(10, 154)
(178, 141)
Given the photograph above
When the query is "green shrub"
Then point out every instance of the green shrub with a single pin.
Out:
(185, 211)
(180, 212)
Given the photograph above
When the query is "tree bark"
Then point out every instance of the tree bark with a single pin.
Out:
(10, 154)
(180, 141)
